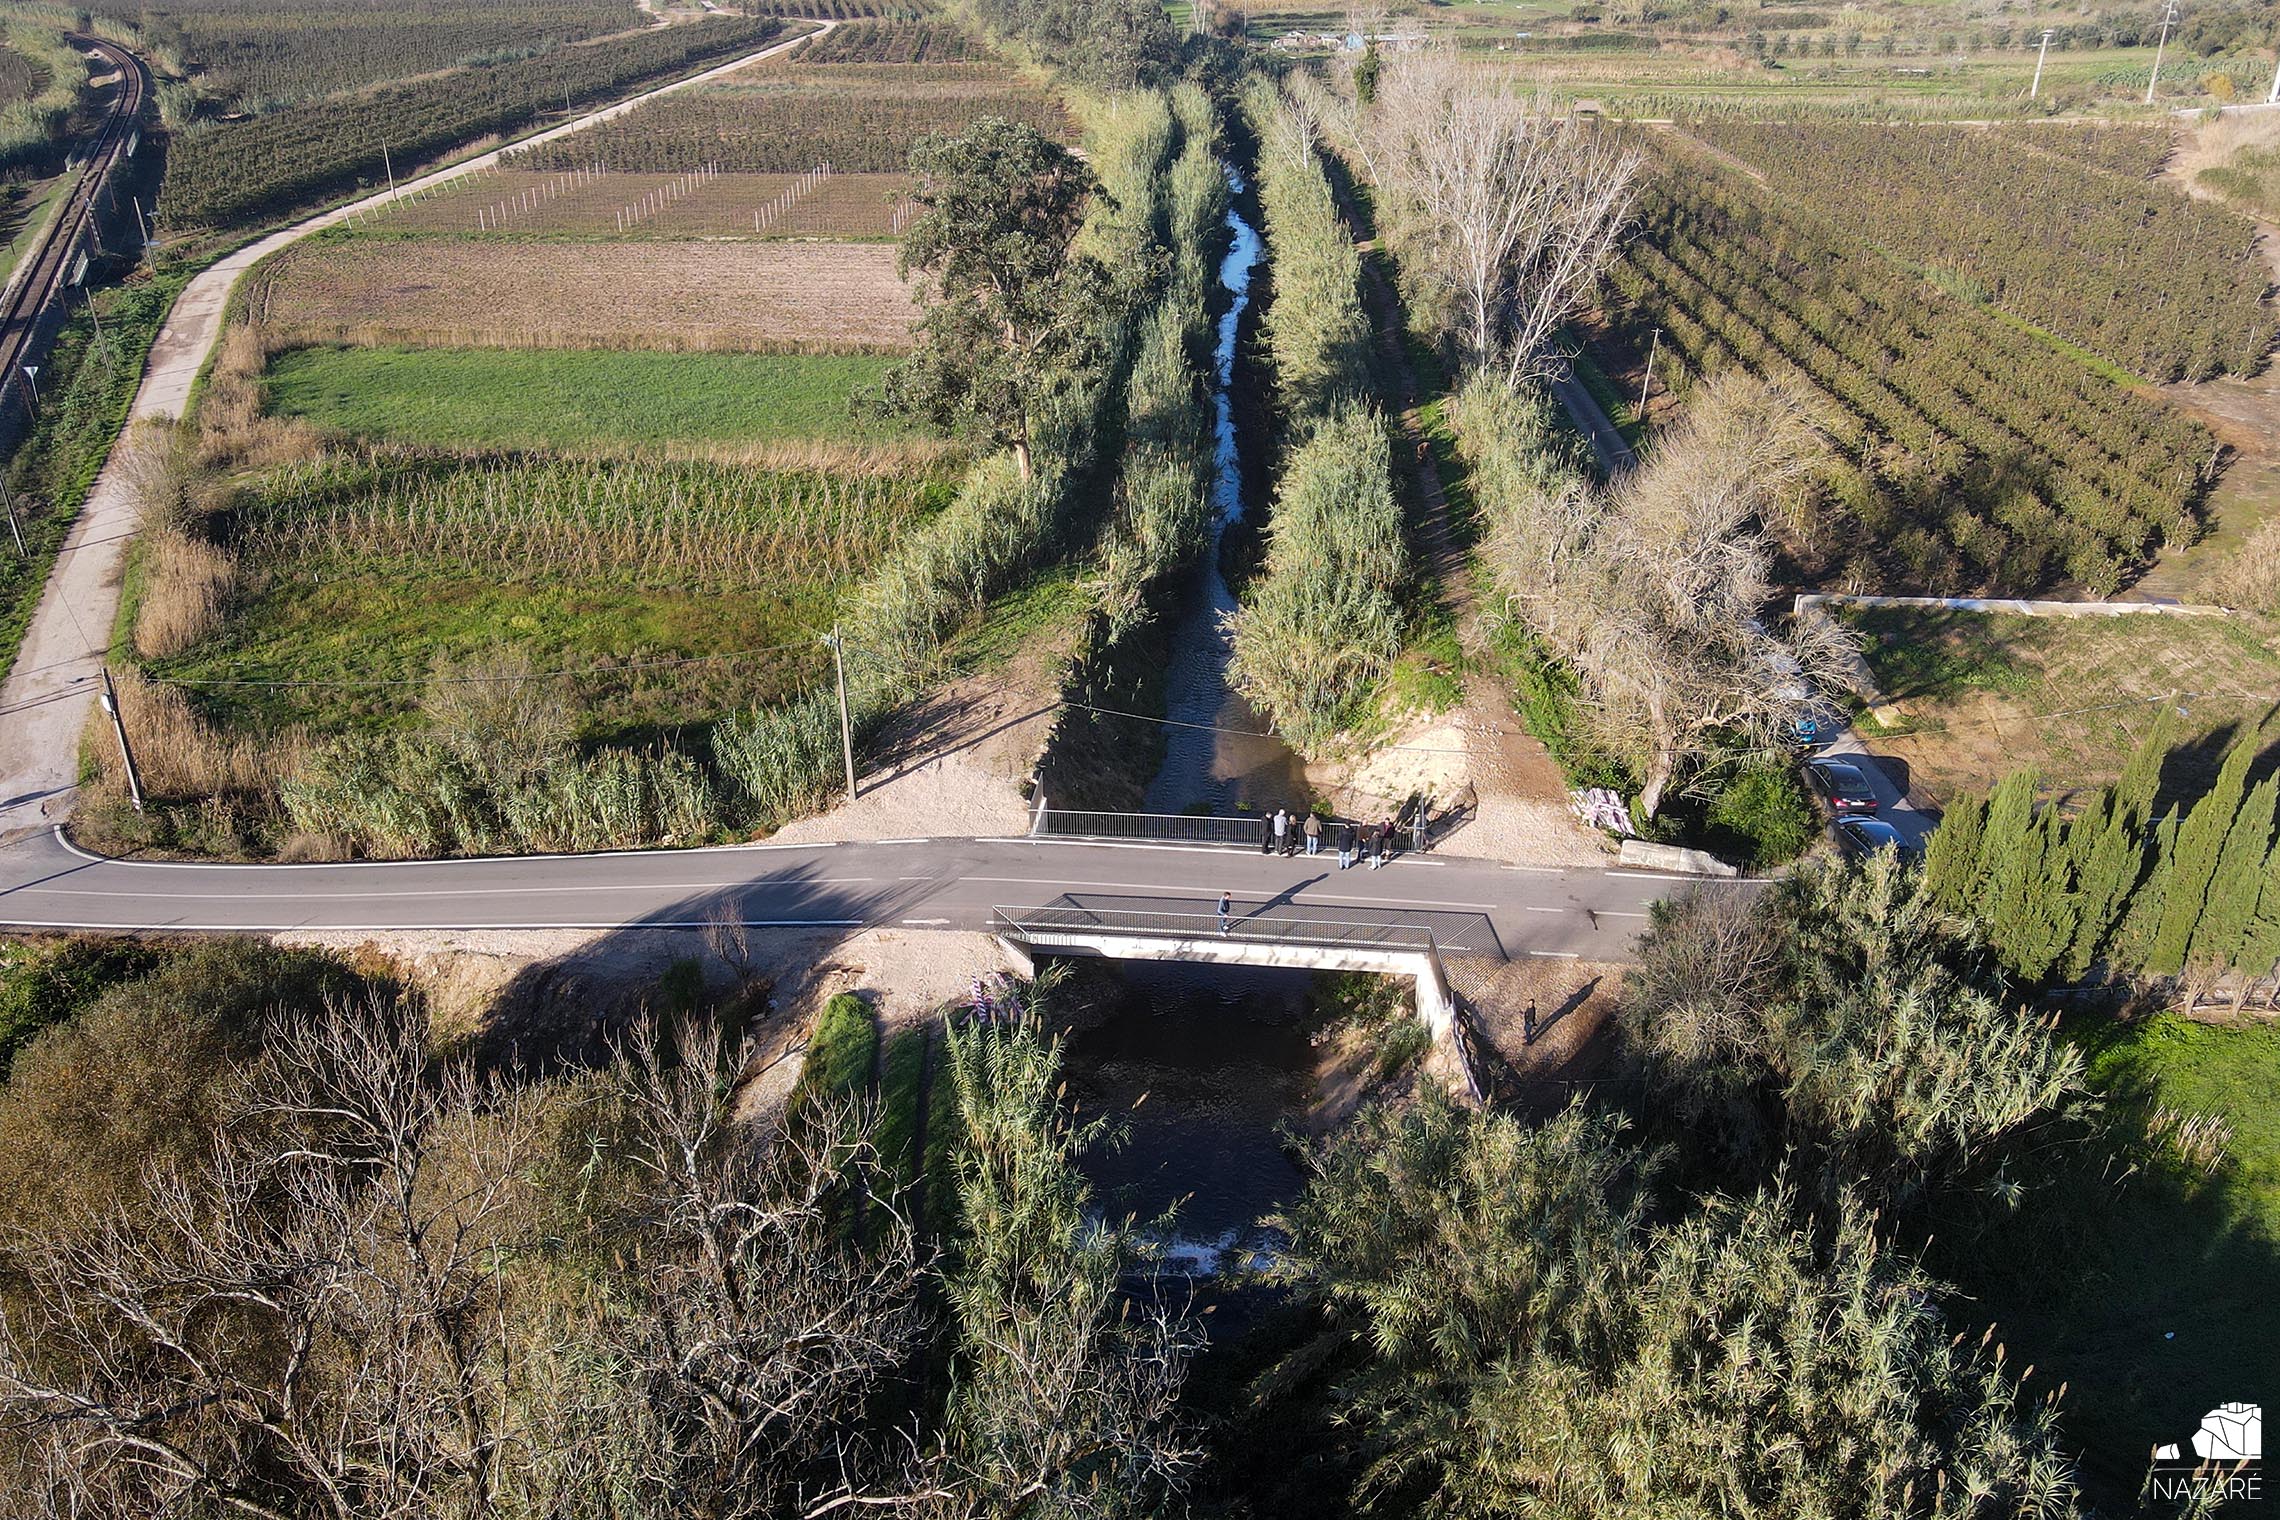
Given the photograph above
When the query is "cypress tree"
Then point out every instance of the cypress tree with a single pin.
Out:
(2260, 946)
(2038, 916)
(2238, 882)
(2011, 853)
(2199, 842)
(2134, 939)
(1951, 860)
(2108, 846)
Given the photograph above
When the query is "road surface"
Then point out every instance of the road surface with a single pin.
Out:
(51, 690)
(1473, 906)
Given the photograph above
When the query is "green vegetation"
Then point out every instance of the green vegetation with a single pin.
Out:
(842, 1049)
(2167, 285)
(575, 399)
(2197, 894)
(1762, 818)
(257, 55)
(43, 984)
(1322, 621)
(858, 118)
(41, 82)
(1976, 454)
(87, 386)
(236, 173)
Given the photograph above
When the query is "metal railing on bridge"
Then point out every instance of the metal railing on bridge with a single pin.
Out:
(1164, 828)
(1276, 927)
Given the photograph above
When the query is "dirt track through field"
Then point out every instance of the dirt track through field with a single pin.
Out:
(50, 692)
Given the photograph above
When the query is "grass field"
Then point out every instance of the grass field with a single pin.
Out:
(1984, 694)
(572, 399)
(2135, 1278)
(668, 296)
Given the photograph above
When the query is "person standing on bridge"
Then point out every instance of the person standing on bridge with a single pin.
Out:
(1266, 834)
(1384, 842)
(1313, 833)
(1282, 831)
(1226, 910)
(1345, 843)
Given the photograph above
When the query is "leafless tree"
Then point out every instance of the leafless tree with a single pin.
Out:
(1512, 202)
(1657, 593)
(310, 1324)
(355, 1309)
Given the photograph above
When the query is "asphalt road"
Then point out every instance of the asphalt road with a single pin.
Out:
(1474, 906)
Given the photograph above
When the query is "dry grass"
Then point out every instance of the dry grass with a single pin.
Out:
(183, 757)
(2251, 578)
(233, 430)
(187, 586)
(666, 296)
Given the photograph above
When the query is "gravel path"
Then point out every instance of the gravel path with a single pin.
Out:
(50, 692)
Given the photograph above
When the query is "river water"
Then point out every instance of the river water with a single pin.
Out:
(1218, 755)
(1223, 1053)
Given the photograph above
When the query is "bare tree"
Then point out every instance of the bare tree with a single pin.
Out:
(1513, 202)
(1657, 592)
(309, 1324)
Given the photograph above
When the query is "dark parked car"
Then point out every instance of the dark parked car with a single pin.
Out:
(1857, 837)
(1842, 786)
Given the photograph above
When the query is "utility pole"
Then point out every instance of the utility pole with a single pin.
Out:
(126, 751)
(2273, 99)
(143, 221)
(89, 297)
(32, 378)
(846, 728)
(2036, 89)
(1654, 346)
(2168, 18)
(390, 165)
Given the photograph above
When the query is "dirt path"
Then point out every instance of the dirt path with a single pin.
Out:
(2245, 414)
(1518, 797)
(50, 692)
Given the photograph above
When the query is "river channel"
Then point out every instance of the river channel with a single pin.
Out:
(1223, 1054)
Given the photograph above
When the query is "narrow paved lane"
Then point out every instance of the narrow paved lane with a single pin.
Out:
(1473, 906)
(51, 690)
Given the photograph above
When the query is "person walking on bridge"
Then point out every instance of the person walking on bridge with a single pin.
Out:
(1313, 833)
(1226, 910)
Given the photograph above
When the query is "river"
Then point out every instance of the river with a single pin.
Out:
(1218, 754)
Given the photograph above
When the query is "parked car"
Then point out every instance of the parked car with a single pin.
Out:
(1843, 786)
(1858, 837)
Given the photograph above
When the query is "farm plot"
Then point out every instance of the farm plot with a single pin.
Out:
(587, 401)
(1983, 454)
(666, 296)
(787, 117)
(681, 590)
(592, 202)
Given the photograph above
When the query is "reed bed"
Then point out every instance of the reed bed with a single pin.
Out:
(686, 525)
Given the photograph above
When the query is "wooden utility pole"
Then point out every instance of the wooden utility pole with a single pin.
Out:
(126, 750)
(8, 500)
(846, 726)
(1654, 346)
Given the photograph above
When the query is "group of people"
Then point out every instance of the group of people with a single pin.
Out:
(1281, 834)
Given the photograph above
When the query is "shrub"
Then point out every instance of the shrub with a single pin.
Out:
(1766, 814)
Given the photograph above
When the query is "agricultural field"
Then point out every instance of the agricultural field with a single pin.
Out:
(367, 568)
(2081, 243)
(894, 42)
(707, 295)
(593, 202)
(787, 116)
(239, 172)
(1983, 694)
(581, 401)
(1983, 455)
(257, 55)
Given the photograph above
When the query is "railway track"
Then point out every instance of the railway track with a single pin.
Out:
(42, 277)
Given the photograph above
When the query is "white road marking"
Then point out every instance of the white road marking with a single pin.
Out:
(1310, 897)
(1557, 955)
(898, 841)
(383, 865)
(926, 923)
(519, 891)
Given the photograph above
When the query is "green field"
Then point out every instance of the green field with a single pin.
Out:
(575, 399)
(367, 629)
(2140, 1282)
